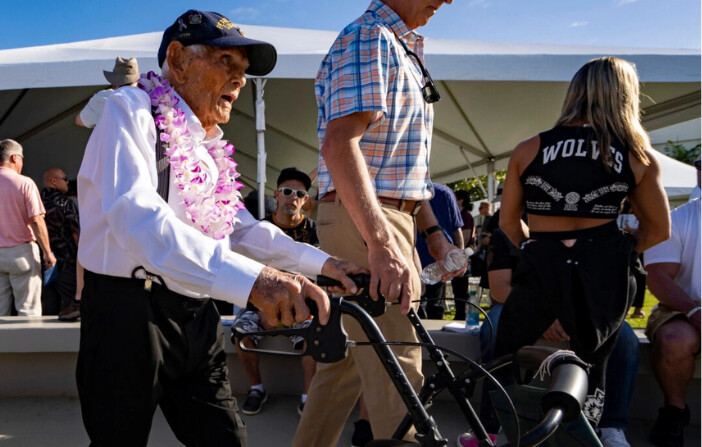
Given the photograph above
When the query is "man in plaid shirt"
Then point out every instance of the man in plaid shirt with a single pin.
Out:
(374, 127)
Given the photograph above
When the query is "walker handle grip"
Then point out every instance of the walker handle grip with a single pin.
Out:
(363, 299)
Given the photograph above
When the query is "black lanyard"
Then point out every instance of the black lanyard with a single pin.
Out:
(429, 91)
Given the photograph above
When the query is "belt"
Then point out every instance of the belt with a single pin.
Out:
(405, 205)
(179, 306)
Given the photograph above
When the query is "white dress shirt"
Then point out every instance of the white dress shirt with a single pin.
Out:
(126, 224)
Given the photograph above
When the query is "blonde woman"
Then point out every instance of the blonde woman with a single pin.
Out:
(573, 280)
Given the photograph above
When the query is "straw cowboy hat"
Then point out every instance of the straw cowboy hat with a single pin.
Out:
(126, 71)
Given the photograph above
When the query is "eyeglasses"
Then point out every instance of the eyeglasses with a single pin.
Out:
(65, 179)
(287, 192)
(429, 91)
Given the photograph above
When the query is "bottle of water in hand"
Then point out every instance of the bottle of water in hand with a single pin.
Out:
(472, 313)
(455, 260)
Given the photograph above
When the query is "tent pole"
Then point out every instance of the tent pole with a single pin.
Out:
(470, 165)
(259, 85)
(15, 103)
(465, 117)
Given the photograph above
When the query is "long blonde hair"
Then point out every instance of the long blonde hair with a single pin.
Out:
(605, 94)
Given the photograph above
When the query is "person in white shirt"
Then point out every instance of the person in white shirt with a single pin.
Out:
(163, 229)
(125, 73)
(673, 269)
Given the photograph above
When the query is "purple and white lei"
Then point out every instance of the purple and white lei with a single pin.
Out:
(211, 207)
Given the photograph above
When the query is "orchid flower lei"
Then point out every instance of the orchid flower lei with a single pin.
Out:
(211, 208)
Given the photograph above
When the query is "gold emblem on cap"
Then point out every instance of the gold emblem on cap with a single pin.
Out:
(224, 23)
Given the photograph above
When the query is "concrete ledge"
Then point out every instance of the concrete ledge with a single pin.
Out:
(38, 357)
(38, 334)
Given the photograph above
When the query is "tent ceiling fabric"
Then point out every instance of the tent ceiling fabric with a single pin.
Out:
(494, 95)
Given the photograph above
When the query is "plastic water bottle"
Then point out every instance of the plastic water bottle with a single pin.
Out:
(455, 260)
(472, 314)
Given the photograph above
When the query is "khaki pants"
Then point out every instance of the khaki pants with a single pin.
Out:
(20, 279)
(337, 386)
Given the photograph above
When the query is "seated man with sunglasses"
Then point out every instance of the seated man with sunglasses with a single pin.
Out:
(291, 195)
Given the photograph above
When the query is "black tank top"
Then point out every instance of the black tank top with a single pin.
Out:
(567, 177)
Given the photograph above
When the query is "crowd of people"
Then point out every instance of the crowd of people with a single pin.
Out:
(165, 238)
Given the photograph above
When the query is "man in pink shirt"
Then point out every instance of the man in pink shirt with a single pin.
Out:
(21, 227)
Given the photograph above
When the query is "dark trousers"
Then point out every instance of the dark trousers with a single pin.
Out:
(61, 292)
(139, 349)
(621, 377)
(459, 284)
(432, 306)
(586, 287)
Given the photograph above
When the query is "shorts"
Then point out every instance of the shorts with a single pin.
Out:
(249, 321)
(660, 315)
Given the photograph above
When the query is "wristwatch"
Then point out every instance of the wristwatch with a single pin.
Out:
(433, 229)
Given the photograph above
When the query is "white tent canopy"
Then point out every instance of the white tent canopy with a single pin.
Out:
(678, 178)
(494, 95)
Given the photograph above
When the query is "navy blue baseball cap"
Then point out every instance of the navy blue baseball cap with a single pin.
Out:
(211, 28)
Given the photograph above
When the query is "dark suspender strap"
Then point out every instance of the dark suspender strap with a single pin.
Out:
(163, 167)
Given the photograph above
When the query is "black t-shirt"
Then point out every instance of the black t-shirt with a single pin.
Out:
(62, 222)
(305, 231)
(502, 254)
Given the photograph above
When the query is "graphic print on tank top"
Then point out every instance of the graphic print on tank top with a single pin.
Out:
(567, 178)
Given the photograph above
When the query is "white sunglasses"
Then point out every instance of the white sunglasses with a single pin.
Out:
(289, 191)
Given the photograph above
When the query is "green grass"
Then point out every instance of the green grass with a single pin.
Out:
(636, 323)
(649, 302)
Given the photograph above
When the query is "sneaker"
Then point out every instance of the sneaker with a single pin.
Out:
(612, 437)
(300, 408)
(70, 312)
(668, 428)
(362, 433)
(254, 401)
(469, 440)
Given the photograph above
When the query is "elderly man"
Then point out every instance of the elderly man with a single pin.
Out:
(63, 224)
(673, 268)
(160, 235)
(22, 225)
(374, 127)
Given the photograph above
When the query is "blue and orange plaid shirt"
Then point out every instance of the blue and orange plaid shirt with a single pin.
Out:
(367, 69)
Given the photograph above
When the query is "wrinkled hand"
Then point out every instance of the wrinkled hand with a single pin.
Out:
(438, 247)
(339, 270)
(390, 272)
(49, 260)
(556, 333)
(281, 297)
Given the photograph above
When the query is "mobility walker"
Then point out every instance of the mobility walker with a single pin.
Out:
(561, 402)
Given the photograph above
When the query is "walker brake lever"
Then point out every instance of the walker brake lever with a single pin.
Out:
(326, 344)
(362, 298)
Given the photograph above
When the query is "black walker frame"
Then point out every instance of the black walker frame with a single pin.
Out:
(562, 402)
